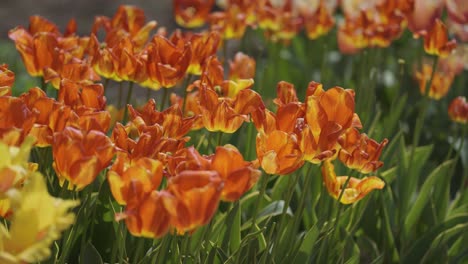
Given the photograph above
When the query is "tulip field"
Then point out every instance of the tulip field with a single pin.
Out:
(271, 131)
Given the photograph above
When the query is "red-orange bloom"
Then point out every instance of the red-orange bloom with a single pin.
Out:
(197, 195)
(203, 45)
(130, 180)
(360, 152)
(436, 40)
(238, 175)
(167, 63)
(328, 115)
(128, 21)
(187, 159)
(15, 116)
(440, 85)
(319, 22)
(76, 94)
(7, 78)
(243, 67)
(149, 217)
(37, 51)
(458, 110)
(225, 114)
(173, 124)
(278, 152)
(79, 156)
(192, 13)
(355, 190)
(231, 23)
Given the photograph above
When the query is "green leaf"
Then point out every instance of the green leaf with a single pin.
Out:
(423, 197)
(89, 254)
(389, 175)
(273, 209)
(308, 241)
(420, 247)
(280, 188)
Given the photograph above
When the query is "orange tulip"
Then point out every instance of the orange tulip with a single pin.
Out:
(355, 190)
(37, 51)
(102, 59)
(76, 94)
(222, 114)
(149, 217)
(187, 159)
(328, 115)
(360, 152)
(440, 85)
(203, 45)
(231, 23)
(167, 64)
(127, 21)
(458, 110)
(436, 40)
(319, 22)
(279, 22)
(278, 152)
(66, 66)
(7, 78)
(132, 179)
(174, 125)
(192, 13)
(79, 156)
(243, 67)
(238, 175)
(197, 195)
(15, 116)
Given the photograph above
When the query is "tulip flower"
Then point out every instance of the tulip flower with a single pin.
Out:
(436, 40)
(355, 190)
(440, 84)
(15, 115)
(238, 175)
(167, 64)
(360, 152)
(7, 78)
(196, 197)
(132, 179)
(79, 156)
(458, 110)
(243, 67)
(148, 217)
(192, 13)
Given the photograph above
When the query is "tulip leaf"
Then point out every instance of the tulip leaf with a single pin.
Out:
(423, 197)
(389, 175)
(418, 248)
(280, 188)
(308, 243)
(89, 254)
(273, 209)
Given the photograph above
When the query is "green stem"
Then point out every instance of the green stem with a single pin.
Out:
(263, 186)
(164, 98)
(465, 174)
(148, 94)
(127, 101)
(119, 98)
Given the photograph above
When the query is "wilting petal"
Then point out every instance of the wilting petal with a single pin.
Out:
(360, 152)
(356, 188)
